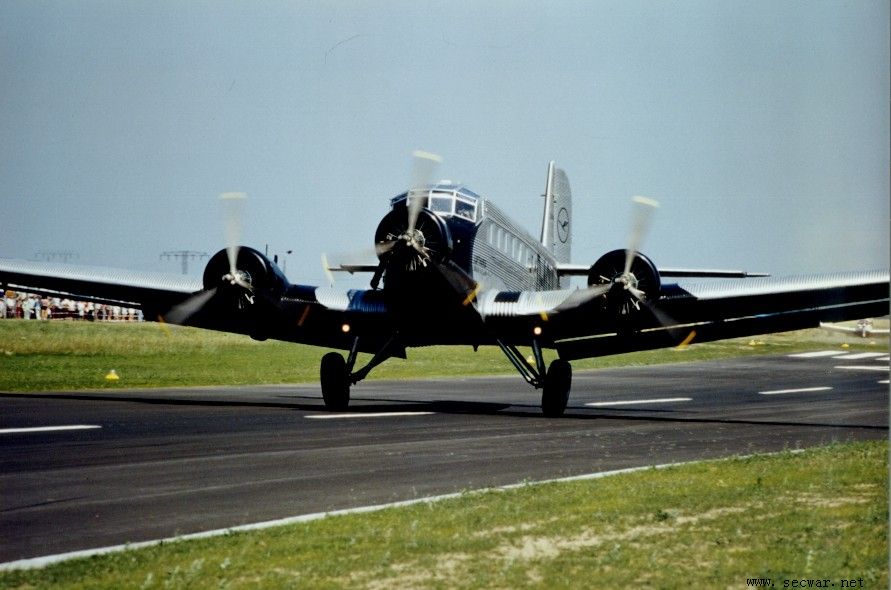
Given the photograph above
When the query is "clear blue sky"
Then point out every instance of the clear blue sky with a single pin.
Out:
(762, 127)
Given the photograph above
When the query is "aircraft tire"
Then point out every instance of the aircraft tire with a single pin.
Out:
(335, 382)
(555, 393)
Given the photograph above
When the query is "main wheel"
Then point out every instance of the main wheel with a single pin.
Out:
(335, 382)
(555, 393)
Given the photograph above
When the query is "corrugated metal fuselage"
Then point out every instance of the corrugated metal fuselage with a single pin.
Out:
(501, 255)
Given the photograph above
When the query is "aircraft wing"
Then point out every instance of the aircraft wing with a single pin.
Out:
(303, 314)
(578, 323)
(583, 323)
(581, 270)
(100, 285)
(860, 330)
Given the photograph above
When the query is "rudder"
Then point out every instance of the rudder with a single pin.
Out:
(556, 227)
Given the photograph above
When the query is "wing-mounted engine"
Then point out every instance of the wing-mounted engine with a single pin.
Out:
(239, 284)
(242, 292)
(632, 279)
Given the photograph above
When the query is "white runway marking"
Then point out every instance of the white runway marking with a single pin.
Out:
(802, 390)
(632, 402)
(884, 359)
(862, 368)
(817, 354)
(883, 382)
(368, 415)
(48, 428)
(860, 355)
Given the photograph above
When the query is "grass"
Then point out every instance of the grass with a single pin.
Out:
(60, 355)
(819, 514)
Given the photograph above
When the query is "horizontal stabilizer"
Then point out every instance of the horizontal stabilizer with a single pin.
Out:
(581, 270)
(353, 268)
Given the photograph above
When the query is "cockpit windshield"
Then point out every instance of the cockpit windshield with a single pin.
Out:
(445, 200)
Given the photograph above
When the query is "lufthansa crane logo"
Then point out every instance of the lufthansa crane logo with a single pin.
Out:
(563, 225)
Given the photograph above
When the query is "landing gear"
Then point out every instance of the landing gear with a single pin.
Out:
(336, 374)
(554, 385)
(335, 381)
(555, 392)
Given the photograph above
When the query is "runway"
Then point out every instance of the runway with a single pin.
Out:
(137, 465)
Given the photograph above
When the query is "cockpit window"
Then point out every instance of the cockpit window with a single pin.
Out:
(465, 209)
(441, 204)
(444, 199)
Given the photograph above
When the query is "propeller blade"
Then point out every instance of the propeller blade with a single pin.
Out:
(384, 247)
(637, 293)
(643, 211)
(326, 268)
(181, 312)
(233, 213)
(682, 335)
(582, 296)
(423, 168)
(458, 280)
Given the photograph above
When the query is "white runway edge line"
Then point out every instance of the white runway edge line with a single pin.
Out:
(48, 428)
(860, 356)
(366, 415)
(634, 402)
(36, 562)
(801, 390)
(863, 368)
(817, 354)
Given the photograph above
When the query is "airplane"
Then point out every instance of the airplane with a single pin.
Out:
(453, 269)
(864, 328)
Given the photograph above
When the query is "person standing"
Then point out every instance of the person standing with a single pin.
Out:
(27, 307)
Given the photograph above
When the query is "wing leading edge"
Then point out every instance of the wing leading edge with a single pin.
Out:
(302, 314)
(581, 326)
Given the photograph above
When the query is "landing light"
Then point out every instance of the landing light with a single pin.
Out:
(345, 328)
(537, 330)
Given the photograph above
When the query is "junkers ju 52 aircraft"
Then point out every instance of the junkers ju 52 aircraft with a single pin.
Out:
(452, 268)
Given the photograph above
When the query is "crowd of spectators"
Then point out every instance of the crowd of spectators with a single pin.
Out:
(34, 307)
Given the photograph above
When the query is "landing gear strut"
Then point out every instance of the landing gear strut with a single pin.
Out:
(554, 384)
(336, 374)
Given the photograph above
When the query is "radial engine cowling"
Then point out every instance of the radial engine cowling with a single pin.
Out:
(430, 242)
(641, 283)
(252, 268)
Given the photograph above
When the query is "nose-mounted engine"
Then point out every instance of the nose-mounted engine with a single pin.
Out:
(410, 242)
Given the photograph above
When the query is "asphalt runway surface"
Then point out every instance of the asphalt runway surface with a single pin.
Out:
(164, 462)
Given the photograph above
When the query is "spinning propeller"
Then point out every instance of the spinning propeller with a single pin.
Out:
(409, 244)
(625, 278)
(232, 204)
(405, 241)
(233, 213)
(630, 282)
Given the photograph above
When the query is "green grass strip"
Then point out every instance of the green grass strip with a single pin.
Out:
(821, 515)
(62, 355)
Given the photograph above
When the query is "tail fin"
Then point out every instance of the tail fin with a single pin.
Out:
(556, 225)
